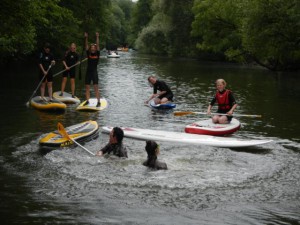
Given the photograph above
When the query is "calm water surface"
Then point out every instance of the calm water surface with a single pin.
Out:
(204, 185)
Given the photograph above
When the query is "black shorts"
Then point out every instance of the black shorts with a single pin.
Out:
(91, 76)
(229, 118)
(169, 96)
(48, 78)
(71, 73)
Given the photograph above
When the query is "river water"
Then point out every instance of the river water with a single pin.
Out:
(204, 185)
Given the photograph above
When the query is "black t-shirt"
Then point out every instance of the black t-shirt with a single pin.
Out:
(71, 58)
(45, 59)
(161, 86)
(116, 149)
(93, 59)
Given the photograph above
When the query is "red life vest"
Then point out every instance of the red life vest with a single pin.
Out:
(223, 100)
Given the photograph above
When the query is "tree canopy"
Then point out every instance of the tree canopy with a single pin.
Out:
(265, 32)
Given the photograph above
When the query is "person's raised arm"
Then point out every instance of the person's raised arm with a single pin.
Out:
(97, 41)
(86, 41)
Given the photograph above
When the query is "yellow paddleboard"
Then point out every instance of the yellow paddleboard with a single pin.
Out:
(92, 105)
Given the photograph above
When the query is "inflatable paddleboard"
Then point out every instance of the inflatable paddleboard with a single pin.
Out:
(79, 132)
(167, 105)
(179, 137)
(92, 105)
(45, 104)
(113, 55)
(66, 98)
(207, 127)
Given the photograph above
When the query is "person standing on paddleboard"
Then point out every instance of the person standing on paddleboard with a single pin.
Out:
(165, 94)
(115, 145)
(93, 55)
(45, 60)
(152, 149)
(70, 59)
(226, 103)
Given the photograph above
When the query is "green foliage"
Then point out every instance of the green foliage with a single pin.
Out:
(264, 31)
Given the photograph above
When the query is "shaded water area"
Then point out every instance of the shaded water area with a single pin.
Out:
(204, 185)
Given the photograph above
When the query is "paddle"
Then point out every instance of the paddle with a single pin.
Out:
(28, 103)
(70, 67)
(64, 133)
(183, 113)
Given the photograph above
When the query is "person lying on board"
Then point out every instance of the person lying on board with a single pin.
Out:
(165, 94)
(226, 103)
(70, 59)
(115, 145)
(45, 60)
(152, 150)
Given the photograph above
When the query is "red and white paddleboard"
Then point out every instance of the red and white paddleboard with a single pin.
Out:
(207, 127)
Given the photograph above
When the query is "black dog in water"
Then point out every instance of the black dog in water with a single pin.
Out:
(152, 150)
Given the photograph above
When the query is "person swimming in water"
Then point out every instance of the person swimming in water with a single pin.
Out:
(152, 149)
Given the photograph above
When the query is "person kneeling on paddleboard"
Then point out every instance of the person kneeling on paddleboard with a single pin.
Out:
(226, 103)
(152, 150)
(165, 93)
(115, 145)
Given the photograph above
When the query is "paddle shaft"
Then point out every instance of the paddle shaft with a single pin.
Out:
(79, 62)
(64, 133)
(39, 84)
(219, 114)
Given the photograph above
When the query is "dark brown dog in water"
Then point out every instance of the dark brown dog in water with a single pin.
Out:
(152, 150)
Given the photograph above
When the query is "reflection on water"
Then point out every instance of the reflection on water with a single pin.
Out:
(203, 185)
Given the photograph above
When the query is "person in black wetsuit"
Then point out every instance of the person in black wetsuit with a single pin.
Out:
(152, 150)
(115, 145)
(93, 55)
(45, 60)
(165, 94)
(70, 59)
(226, 103)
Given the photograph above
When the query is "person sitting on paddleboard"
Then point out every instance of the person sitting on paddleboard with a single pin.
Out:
(93, 55)
(70, 59)
(115, 145)
(226, 103)
(152, 150)
(165, 93)
(45, 60)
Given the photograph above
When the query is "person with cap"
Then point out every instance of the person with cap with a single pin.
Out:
(46, 59)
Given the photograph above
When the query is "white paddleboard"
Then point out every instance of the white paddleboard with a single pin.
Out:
(179, 137)
(92, 105)
(66, 98)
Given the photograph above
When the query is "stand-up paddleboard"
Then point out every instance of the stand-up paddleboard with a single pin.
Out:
(207, 127)
(79, 132)
(92, 105)
(159, 135)
(113, 55)
(66, 98)
(45, 104)
(168, 105)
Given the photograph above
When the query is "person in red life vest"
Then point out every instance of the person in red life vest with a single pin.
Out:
(226, 103)
(70, 59)
(93, 55)
(45, 60)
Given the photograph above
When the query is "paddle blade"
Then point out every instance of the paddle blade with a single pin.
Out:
(62, 131)
(178, 113)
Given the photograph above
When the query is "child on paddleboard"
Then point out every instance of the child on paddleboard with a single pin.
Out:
(226, 103)
(115, 145)
(152, 150)
(165, 94)
(46, 60)
(70, 59)
(93, 55)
